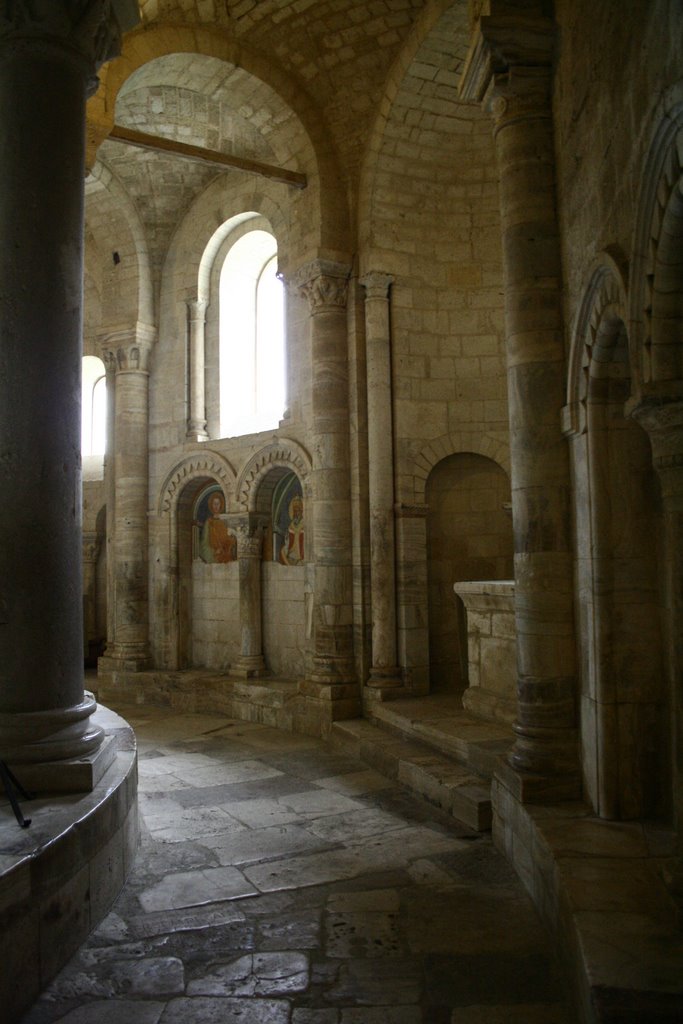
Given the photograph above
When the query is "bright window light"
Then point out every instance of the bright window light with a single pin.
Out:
(93, 407)
(252, 389)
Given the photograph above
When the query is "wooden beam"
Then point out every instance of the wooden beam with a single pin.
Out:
(206, 156)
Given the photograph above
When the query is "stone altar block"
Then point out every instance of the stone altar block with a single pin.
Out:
(491, 648)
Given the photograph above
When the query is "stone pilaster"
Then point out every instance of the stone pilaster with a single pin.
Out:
(196, 420)
(384, 672)
(509, 69)
(249, 553)
(127, 639)
(49, 56)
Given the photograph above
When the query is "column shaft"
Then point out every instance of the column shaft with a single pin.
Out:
(196, 423)
(47, 63)
(384, 670)
(128, 641)
(325, 286)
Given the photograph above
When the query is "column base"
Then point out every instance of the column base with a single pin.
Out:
(119, 659)
(57, 734)
(73, 775)
(383, 683)
(529, 788)
(249, 667)
(321, 704)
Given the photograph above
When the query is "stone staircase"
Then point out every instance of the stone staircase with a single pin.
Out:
(434, 748)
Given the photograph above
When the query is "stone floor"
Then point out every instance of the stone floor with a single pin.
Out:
(279, 882)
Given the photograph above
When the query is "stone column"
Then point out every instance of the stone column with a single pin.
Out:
(49, 55)
(384, 672)
(91, 550)
(196, 421)
(325, 286)
(509, 68)
(128, 619)
(249, 552)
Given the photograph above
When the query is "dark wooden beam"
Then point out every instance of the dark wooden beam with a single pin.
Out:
(206, 156)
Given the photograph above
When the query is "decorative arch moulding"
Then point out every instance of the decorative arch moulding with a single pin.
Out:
(283, 453)
(195, 467)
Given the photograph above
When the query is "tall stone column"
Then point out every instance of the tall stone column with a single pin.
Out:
(509, 68)
(128, 638)
(324, 284)
(49, 55)
(384, 672)
(249, 551)
(196, 421)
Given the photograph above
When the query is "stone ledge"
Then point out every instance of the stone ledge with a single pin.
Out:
(60, 876)
(599, 887)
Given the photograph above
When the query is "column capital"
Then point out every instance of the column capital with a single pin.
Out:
(92, 542)
(376, 284)
(89, 32)
(196, 309)
(504, 43)
(128, 349)
(324, 283)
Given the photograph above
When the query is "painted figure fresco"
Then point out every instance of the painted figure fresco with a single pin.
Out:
(215, 542)
(288, 522)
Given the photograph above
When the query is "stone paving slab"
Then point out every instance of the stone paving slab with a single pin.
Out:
(322, 895)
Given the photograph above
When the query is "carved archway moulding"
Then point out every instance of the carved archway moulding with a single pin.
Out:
(661, 178)
(461, 442)
(196, 466)
(604, 298)
(283, 453)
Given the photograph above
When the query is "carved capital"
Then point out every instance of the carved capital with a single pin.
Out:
(128, 350)
(86, 30)
(502, 44)
(196, 310)
(324, 283)
(377, 284)
(91, 546)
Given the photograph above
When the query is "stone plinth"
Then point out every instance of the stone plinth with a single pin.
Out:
(491, 648)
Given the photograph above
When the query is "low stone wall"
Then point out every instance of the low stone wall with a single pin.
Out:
(491, 648)
(60, 876)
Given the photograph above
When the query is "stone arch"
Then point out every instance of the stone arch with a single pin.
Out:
(490, 446)
(197, 466)
(283, 453)
(145, 44)
(656, 308)
(604, 301)
(616, 504)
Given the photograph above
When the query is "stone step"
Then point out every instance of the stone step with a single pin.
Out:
(454, 788)
(441, 723)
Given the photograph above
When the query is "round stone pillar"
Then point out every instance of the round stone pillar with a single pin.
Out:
(49, 54)
(324, 284)
(510, 69)
(384, 671)
(249, 552)
(196, 421)
(128, 620)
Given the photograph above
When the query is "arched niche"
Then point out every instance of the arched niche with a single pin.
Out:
(281, 506)
(208, 579)
(469, 537)
(624, 728)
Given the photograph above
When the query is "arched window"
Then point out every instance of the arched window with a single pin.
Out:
(93, 407)
(252, 363)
